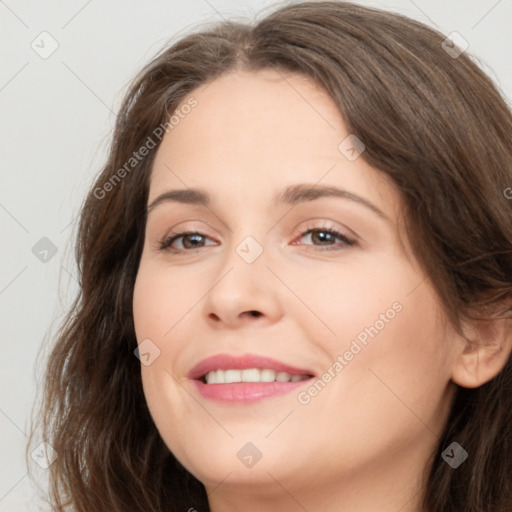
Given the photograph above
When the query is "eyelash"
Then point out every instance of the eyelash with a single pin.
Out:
(165, 243)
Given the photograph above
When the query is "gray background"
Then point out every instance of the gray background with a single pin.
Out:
(56, 117)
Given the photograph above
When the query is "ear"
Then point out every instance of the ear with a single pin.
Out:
(485, 349)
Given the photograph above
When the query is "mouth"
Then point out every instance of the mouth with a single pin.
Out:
(246, 379)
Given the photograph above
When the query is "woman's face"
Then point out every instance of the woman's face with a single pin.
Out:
(348, 324)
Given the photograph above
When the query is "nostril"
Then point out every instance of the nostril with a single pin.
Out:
(255, 313)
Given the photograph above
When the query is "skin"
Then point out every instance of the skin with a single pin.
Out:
(364, 440)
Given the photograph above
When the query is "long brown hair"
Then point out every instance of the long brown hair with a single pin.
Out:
(435, 124)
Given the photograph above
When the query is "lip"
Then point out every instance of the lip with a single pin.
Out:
(244, 392)
(227, 361)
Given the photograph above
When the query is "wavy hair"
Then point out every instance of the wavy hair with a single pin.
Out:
(435, 125)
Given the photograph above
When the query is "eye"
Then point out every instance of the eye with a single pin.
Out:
(321, 236)
(326, 237)
(190, 240)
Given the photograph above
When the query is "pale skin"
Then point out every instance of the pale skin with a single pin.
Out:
(362, 443)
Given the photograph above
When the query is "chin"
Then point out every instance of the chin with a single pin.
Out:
(245, 461)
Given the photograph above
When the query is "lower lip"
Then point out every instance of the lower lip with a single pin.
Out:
(246, 392)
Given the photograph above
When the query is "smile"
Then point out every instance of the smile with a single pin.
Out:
(245, 379)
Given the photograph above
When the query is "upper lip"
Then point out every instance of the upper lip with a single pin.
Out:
(227, 361)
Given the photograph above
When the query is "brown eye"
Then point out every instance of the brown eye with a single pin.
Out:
(326, 237)
(190, 240)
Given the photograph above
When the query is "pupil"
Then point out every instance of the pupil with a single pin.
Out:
(189, 237)
(324, 236)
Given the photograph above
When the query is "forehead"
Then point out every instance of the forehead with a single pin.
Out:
(254, 132)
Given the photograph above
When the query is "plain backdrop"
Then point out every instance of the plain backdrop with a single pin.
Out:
(57, 113)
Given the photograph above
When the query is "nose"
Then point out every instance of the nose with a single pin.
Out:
(244, 294)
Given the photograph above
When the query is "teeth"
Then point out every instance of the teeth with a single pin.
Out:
(250, 375)
(231, 375)
(283, 377)
(268, 375)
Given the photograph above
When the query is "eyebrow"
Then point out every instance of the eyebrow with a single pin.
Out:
(291, 195)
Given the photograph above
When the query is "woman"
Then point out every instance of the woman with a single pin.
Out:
(295, 285)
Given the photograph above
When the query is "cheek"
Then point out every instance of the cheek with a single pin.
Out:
(396, 367)
(156, 309)
(390, 339)
(160, 299)
(391, 389)
(352, 299)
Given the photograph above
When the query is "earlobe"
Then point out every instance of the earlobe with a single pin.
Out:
(485, 349)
